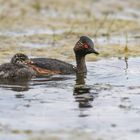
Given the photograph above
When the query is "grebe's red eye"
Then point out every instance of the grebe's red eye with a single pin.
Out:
(85, 46)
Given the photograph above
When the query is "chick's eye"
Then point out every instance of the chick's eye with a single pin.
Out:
(21, 58)
(85, 46)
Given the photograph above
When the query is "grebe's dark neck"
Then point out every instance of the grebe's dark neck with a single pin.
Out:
(81, 65)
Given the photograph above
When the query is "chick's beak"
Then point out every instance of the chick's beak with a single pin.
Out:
(29, 62)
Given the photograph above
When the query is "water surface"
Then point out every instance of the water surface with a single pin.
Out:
(104, 105)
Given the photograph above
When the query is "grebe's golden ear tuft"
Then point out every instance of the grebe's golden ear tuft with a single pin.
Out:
(84, 46)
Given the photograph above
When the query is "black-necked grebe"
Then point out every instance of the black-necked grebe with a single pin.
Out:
(83, 47)
(17, 69)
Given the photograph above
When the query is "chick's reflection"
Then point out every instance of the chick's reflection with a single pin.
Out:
(17, 86)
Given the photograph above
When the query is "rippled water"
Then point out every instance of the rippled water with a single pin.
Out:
(104, 105)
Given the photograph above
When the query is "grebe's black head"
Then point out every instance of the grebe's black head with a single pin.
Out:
(19, 58)
(84, 46)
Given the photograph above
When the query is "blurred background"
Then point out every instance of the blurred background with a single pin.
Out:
(38, 27)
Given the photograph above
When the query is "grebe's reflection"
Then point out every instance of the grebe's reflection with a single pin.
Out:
(82, 92)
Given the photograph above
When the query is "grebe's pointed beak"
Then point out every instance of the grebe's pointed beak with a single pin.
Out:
(94, 51)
